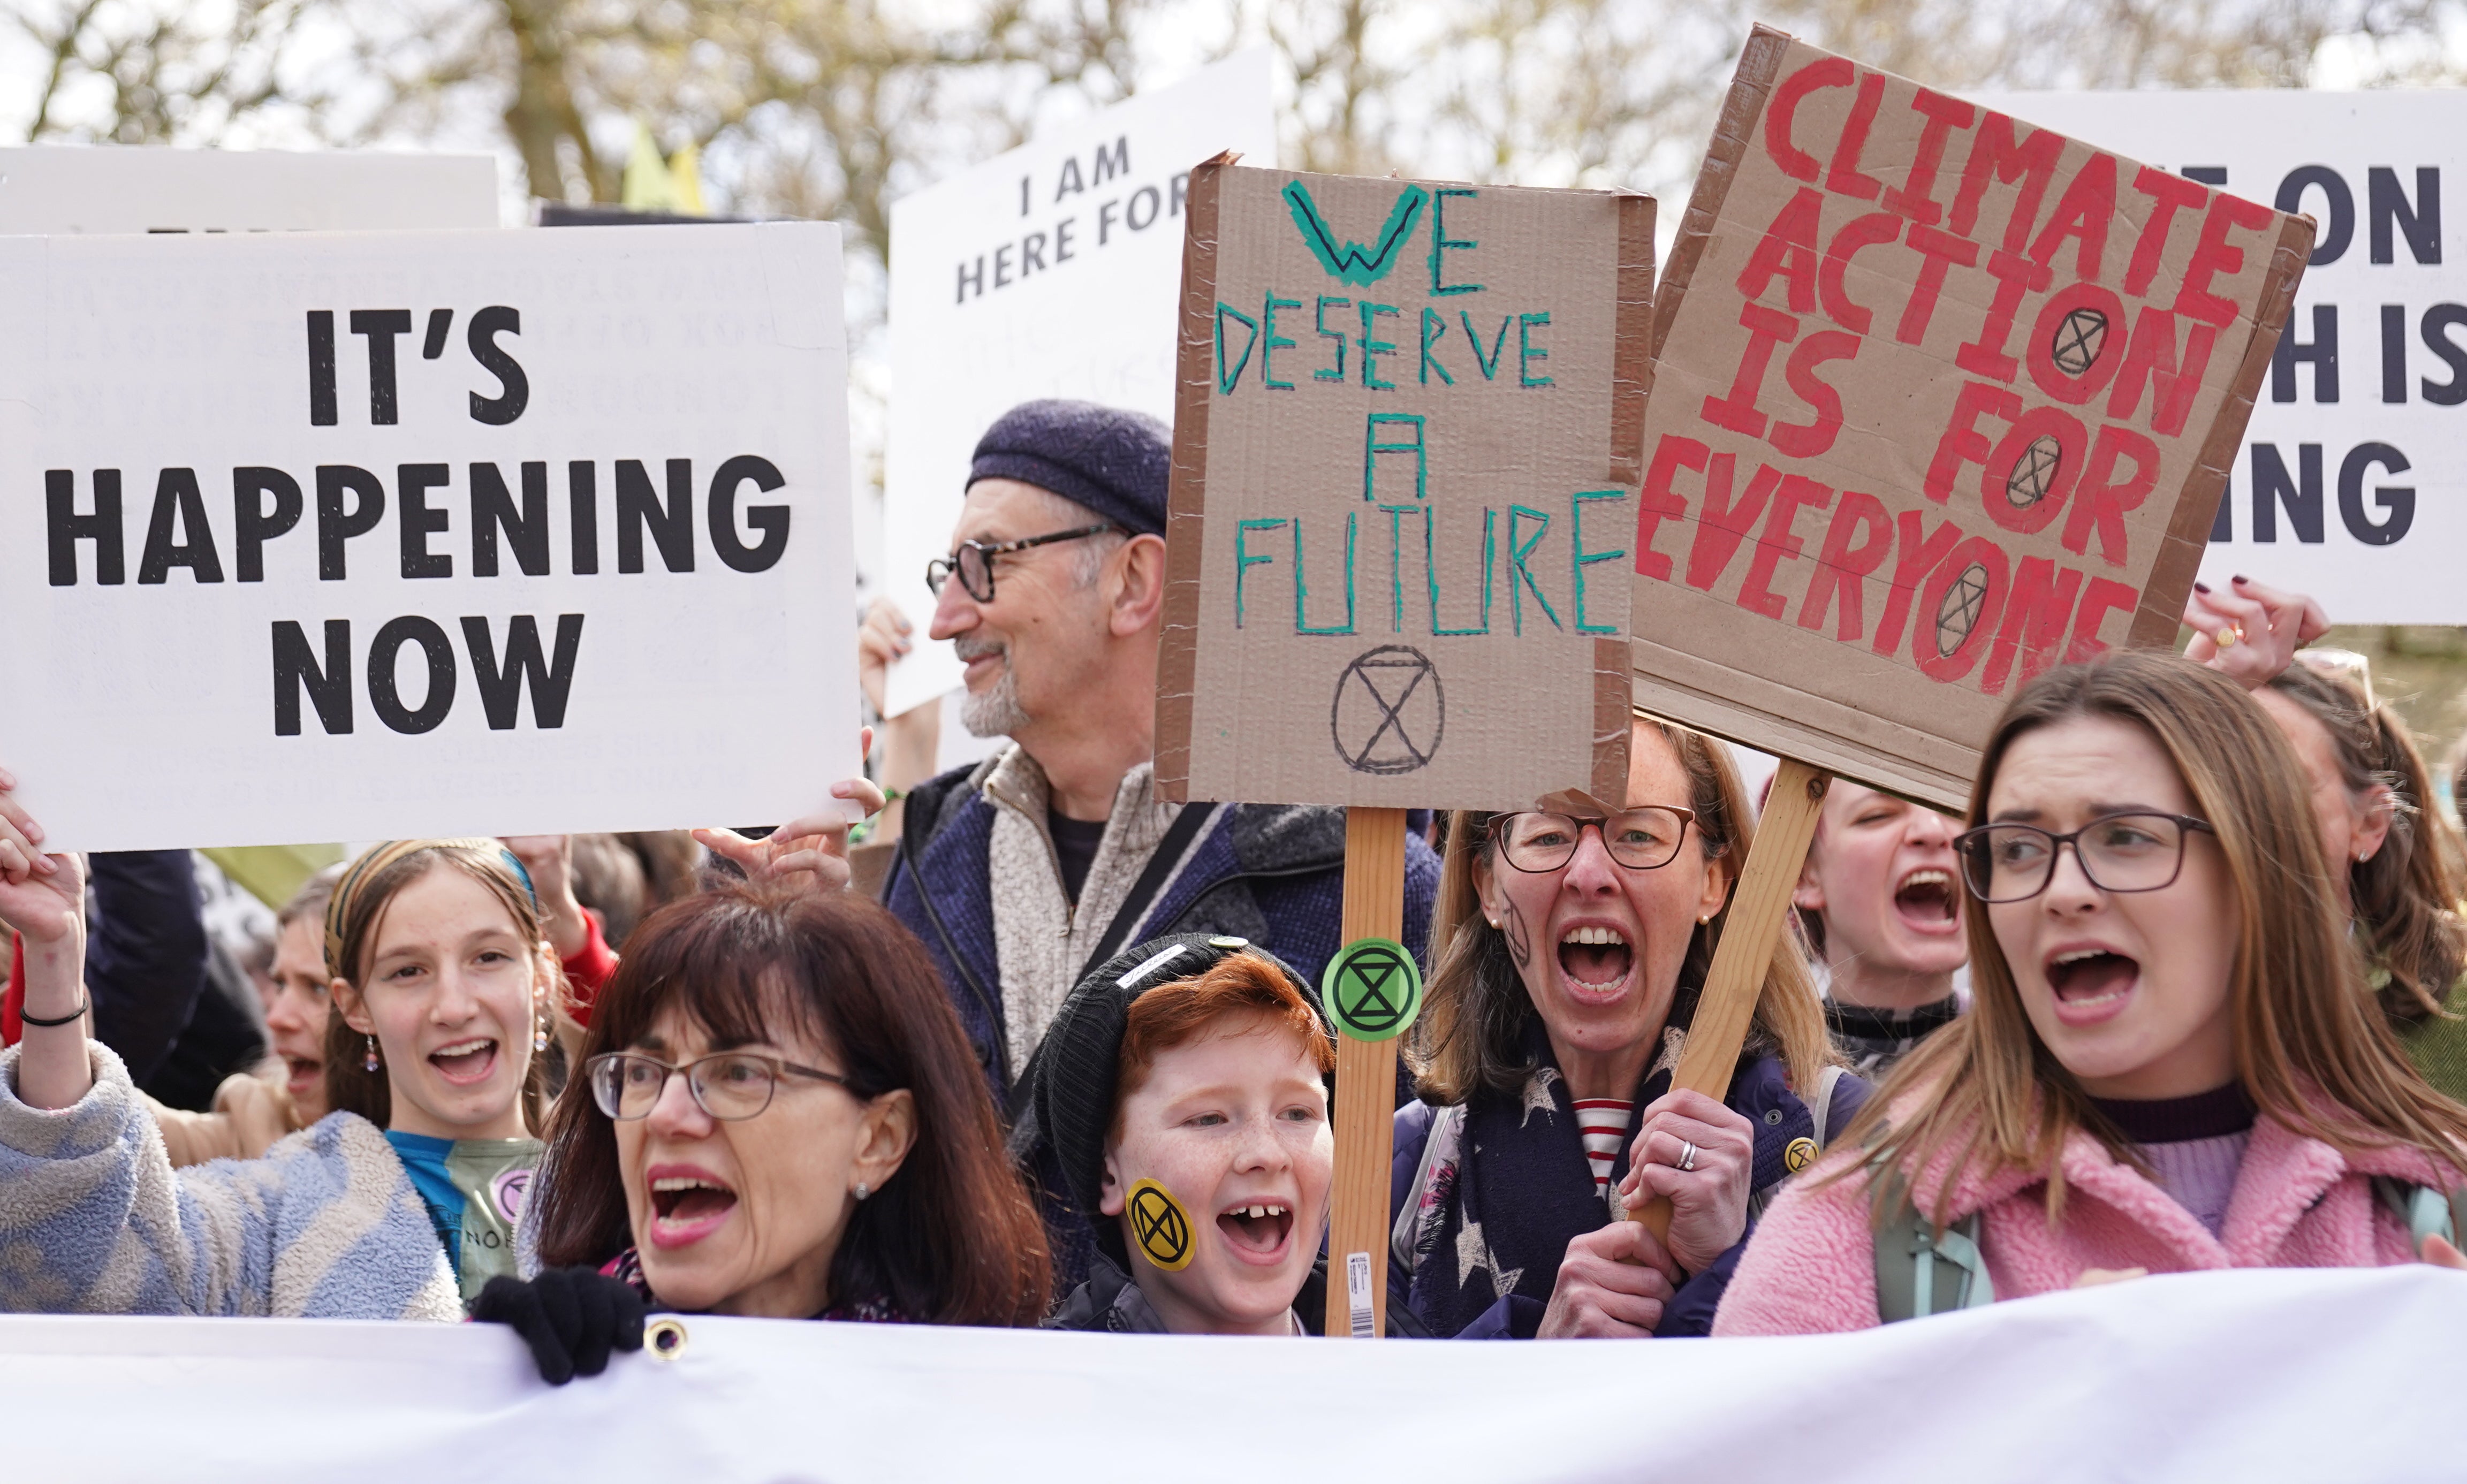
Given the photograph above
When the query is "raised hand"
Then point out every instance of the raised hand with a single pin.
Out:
(550, 860)
(2249, 629)
(814, 845)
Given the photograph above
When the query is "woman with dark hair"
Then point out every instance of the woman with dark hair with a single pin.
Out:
(399, 1203)
(1578, 934)
(2393, 860)
(2171, 1064)
(779, 1116)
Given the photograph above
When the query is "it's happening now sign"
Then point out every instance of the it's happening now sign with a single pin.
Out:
(1406, 446)
(329, 537)
(1941, 399)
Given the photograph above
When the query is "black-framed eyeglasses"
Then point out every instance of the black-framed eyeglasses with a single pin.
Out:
(729, 1084)
(974, 560)
(2131, 850)
(1641, 839)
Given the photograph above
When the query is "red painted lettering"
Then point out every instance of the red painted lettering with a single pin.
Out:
(1788, 250)
(1724, 525)
(2168, 193)
(2087, 209)
(1994, 154)
(2214, 255)
(1779, 543)
(2034, 470)
(1913, 560)
(2101, 598)
(1915, 197)
(1807, 439)
(1939, 250)
(2034, 623)
(1844, 177)
(2015, 276)
(1738, 412)
(1660, 502)
(1869, 230)
(2151, 358)
(2106, 497)
(2072, 349)
(1958, 606)
(1856, 543)
(1962, 443)
(1782, 110)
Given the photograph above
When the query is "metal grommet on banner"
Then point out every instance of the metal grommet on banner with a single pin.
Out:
(664, 1338)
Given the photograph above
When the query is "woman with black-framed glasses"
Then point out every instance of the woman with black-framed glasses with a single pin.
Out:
(2171, 1062)
(779, 1116)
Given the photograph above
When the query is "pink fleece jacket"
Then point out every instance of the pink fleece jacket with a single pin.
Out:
(1811, 1266)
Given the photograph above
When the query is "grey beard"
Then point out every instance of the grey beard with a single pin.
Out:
(997, 712)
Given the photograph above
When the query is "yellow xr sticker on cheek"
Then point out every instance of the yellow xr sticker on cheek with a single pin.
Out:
(1161, 1225)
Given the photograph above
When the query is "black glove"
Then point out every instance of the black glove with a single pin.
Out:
(571, 1317)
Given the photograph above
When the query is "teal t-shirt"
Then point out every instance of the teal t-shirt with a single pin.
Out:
(474, 1190)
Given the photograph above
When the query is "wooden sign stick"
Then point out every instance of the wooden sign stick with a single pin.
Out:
(1366, 1081)
(1759, 905)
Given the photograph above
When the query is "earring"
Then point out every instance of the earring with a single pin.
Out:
(540, 1029)
(863, 1190)
(370, 1061)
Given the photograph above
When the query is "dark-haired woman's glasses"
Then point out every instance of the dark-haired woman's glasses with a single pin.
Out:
(2129, 851)
(1641, 839)
(729, 1086)
(974, 561)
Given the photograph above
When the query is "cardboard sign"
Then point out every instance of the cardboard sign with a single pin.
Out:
(2352, 481)
(1404, 490)
(1941, 400)
(1048, 271)
(346, 536)
(136, 188)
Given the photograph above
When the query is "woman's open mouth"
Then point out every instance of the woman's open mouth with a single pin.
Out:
(466, 1063)
(2092, 985)
(1596, 960)
(688, 1207)
(1257, 1230)
(1926, 900)
(306, 1075)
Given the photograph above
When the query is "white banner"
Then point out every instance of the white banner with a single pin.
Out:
(2290, 1374)
(2352, 481)
(347, 537)
(1054, 270)
(136, 188)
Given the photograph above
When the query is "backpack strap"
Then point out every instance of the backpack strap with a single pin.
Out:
(1446, 1138)
(1920, 1269)
(2424, 1211)
(1822, 1109)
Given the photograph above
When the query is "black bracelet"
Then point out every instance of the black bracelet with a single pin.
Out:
(77, 1014)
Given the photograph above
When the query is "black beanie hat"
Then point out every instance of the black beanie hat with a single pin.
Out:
(1113, 462)
(1077, 1066)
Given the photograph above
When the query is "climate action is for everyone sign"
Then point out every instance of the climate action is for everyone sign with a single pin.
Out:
(1405, 465)
(332, 538)
(1941, 399)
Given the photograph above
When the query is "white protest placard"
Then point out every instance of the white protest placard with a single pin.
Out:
(344, 536)
(1054, 270)
(88, 189)
(2268, 1374)
(2352, 481)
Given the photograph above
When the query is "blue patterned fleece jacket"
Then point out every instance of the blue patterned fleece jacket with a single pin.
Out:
(94, 1220)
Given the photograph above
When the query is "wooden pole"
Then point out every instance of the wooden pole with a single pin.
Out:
(1759, 906)
(1365, 1082)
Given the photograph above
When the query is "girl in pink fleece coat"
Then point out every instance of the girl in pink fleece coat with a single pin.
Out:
(2172, 1063)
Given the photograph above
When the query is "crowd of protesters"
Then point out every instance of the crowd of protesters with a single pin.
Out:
(2183, 992)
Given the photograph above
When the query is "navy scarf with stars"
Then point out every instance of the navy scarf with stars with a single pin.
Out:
(1523, 1190)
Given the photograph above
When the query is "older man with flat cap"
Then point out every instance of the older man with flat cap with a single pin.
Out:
(1054, 853)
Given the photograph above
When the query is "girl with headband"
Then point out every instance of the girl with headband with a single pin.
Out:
(400, 1203)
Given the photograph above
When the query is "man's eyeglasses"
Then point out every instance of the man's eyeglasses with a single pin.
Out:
(729, 1086)
(974, 560)
(2129, 851)
(1641, 839)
